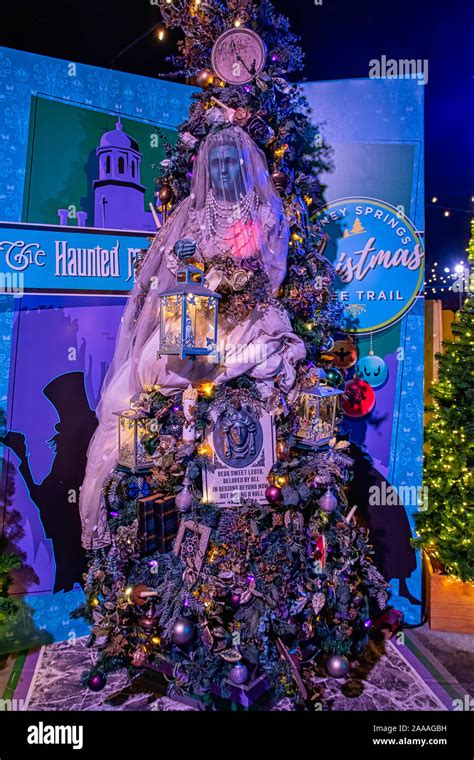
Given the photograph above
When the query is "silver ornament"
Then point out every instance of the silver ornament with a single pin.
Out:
(239, 674)
(183, 631)
(328, 501)
(184, 498)
(337, 666)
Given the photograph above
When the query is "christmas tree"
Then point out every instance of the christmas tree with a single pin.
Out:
(253, 592)
(446, 528)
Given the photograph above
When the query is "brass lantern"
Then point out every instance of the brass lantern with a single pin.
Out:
(188, 316)
(317, 414)
(134, 428)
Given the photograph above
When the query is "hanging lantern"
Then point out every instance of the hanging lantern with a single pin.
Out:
(134, 429)
(188, 316)
(317, 414)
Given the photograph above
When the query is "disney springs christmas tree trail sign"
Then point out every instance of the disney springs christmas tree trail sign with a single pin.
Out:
(378, 257)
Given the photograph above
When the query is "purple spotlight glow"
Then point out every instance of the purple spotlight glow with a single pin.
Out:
(367, 623)
(114, 514)
(251, 578)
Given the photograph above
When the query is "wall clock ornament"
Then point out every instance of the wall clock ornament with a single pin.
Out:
(238, 55)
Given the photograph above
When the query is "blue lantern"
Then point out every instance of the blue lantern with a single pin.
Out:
(188, 316)
(373, 370)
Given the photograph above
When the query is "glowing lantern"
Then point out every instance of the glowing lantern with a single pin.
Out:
(134, 429)
(317, 414)
(188, 316)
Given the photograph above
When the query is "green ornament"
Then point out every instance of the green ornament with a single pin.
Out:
(334, 377)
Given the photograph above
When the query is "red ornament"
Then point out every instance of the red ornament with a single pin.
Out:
(273, 494)
(358, 399)
(343, 354)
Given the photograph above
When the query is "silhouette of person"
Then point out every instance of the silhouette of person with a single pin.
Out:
(57, 496)
(389, 528)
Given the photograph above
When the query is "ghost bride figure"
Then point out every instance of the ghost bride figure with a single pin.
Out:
(235, 216)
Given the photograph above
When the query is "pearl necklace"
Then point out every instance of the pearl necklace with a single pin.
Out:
(221, 220)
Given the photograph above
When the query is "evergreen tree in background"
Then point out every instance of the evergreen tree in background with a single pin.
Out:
(446, 528)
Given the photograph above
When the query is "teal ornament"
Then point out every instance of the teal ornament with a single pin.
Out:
(334, 377)
(373, 370)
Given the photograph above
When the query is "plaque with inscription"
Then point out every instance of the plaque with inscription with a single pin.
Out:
(244, 452)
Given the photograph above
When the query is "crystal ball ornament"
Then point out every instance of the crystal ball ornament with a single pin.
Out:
(183, 631)
(373, 370)
(337, 666)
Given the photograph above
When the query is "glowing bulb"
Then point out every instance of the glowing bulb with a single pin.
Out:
(447, 213)
(237, 22)
(434, 199)
(161, 35)
(459, 268)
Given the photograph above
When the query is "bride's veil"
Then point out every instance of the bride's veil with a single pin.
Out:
(188, 219)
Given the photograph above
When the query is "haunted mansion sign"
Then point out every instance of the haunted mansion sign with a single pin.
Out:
(243, 445)
(378, 257)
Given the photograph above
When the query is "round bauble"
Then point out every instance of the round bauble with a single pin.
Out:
(337, 666)
(358, 399)
(204, 78)
(373, 370)
(273, 494)
(183, 631)
(280, 180)
(239, 674)
(343, 354)
(328, 501)
(327, 345)
(96, 682)
(147, 622)
(334, 377)
(234, 600)
(165, 194)
(283, 451)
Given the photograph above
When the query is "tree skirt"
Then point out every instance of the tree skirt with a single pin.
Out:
(390, 682)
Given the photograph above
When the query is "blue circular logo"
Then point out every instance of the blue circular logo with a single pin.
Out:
(378, 257)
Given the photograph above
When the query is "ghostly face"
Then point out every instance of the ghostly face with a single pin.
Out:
(226, 177)
(238, 433)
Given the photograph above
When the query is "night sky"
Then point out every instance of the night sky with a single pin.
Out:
(339, 37)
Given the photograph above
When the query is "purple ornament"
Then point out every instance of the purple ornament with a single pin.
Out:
(273, 494)
(183, 631)
(238, 674)
(337, 666)
(96, 682)
(328, 501)
(234, 600)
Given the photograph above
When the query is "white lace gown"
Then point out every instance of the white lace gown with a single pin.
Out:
(263, 345)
